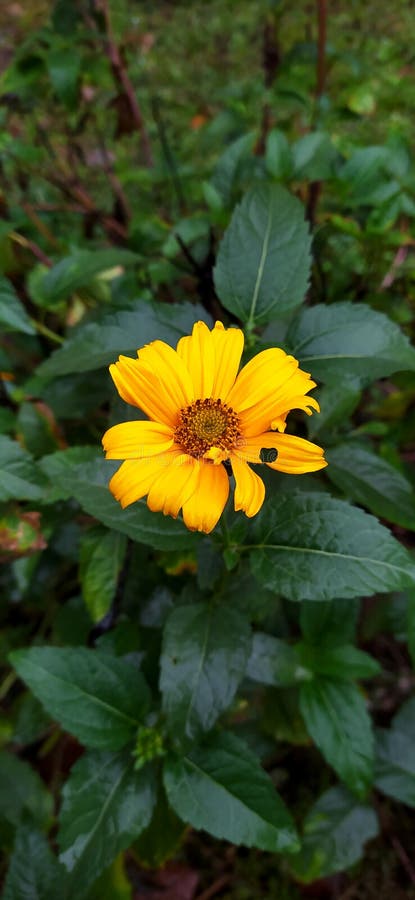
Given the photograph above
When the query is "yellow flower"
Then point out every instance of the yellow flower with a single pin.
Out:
(201, 413)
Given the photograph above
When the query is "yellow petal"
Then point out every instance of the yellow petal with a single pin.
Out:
(249, 490)
(228, 344)
(198, 354)
(174, 486)
(295, 455)
(135, 476)
(136, 440)
(137, 386)
(212, 358)
(267, 388)
(165, 364)
(203, 510)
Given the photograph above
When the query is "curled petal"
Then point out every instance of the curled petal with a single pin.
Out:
(267, 388)
(293, 454)
(250, 488)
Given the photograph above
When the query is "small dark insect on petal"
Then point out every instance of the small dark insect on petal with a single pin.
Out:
(268, 454)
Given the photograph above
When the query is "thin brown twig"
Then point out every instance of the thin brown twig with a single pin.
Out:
(33, 247)
(321, 47)
(404, 858)
(215, 887)
(41, 226)
(122, 78)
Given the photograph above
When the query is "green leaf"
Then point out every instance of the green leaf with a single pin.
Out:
(88, 484)
(162, 837)
(274, 662)
(373, 482)
(349, 339)
(335, 832)
(278, 157)
(395, 762)
(204, 657)
(20, 479)
(329, 624)
(263, 263)
(309, 546)
(101, 557)
(337, 720)
(221, 788)
(34, 872)
(106, 805)
(395, 765)
(13, 316)
(76, 271)
(97, 697)
(22, 792)
(338, 400)
(231, 164)
(343, 662)
(64, 68)
(97, 344)
(313, 156)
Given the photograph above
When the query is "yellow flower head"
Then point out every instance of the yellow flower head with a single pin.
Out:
(201, 413)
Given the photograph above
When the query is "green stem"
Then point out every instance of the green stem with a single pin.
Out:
(43, 329)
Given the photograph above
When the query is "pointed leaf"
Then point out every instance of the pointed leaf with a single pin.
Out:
(309, 546)
(34, 872)
(106, 805)
(335, 832)
(205, 652)
(13, 316)
(101, 557)
(349, 339)
(20, 478)
(97, 697)
(373, 482)
(221, 788)
(337, 720)
(263, 263)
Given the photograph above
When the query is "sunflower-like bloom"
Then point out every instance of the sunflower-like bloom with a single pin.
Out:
(202, 414)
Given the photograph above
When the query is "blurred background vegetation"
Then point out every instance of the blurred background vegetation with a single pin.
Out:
(136, 126)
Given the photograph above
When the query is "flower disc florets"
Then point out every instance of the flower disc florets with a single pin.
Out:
(207, 423)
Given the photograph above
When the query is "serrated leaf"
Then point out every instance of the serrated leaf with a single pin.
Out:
(335, 832)
(337, 720)
(97, 344)
(97, 697)
(274, 662)
(204, 657)
(373, 482)
(263, 263)
(22, 792)
(309, 546)
(101, 557)
(13, 316)
(20, 478)
(106, 805)
(88, 484)
(34, 872)
(349, 339)
(222, 789)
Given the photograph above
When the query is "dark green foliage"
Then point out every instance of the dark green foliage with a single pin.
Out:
(161, 165)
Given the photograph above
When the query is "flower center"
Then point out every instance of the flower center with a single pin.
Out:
(205, 424)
